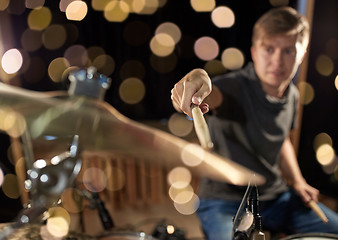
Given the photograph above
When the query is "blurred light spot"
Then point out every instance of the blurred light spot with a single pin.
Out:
(104, 64)
(56, 69)
(12, 122)
(145, 6)
(179, 125)
(95, 51)
(54, 36)
(163, 64)
(39, 19)
(332, 48)
(40, 163)
(58, 222)
(99, 5)
(181, 195)
(336, 82)
(136, 33)
(26, 58)
(117, 179)
(179, 177)
(1, 177)
(132, 68)
(223, 17)
(278, 3)
(232, 58)
(308, 92)
(10, 186)
(34, 3)
(76, 10)
(72, 200)
(162, 44)
(4, 4)
(16, 7)
(36, 70)
(192, 155)
(132, 90)
(44, 178)
(325, 154)
(76, 55)
(215, 67)
(63, 4)
(170, 229)
(171, 29)
(94, 179)
(203, 5)
(11, 61)
(31, 40)
(188, 208)
(330, 168)
(320, 139)
(206, 48)
(116, 11)
(324, 65)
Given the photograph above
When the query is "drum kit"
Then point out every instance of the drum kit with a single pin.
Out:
(80, 121)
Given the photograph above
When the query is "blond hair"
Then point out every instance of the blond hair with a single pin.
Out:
(282, 21)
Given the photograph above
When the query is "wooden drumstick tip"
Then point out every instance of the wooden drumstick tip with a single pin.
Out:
(314, 206)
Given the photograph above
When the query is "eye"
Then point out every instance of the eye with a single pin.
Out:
(269, 49)
(289, 51)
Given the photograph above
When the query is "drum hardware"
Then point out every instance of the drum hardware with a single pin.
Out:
(168, 232)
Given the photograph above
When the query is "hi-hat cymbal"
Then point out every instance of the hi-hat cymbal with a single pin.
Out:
(102, 129)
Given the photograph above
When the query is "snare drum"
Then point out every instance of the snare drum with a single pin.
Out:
(312, 236)
(127, 236)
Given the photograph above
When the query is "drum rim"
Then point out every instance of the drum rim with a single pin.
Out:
(311, 234)
(128, 233)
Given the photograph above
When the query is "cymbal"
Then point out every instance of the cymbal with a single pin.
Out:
(103, 130)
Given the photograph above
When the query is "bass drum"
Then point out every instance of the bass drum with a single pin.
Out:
(312, 236)
(127, 236)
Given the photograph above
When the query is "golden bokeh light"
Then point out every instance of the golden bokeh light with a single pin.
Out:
(10, 186)
(308, 92)
(214, 67)
(336, 82)
(54, 36)
(56, 69)
(95, 51)
(132, 90)
(31, 40)
(232, 58)
(162, 44)
(325, 154)
(99, 5)
(171, 29)
(116, 11)
(11, 122)
(4, 4)
(146, 7)
(180, 125)
(321, 139)
(179, 177)
(2, 177)
(39, 19)
(116, 178)
(58, 223)
(34, 4)
(181, 195)
(189, 155)
(189, 207)
(77, 55)
(132, 68)
(223, 17)
(203, 5)
(94, 179)
(206, 48)
(63, 4)
(104, 64)
(76, 10)
(324, 65)
(11, 61)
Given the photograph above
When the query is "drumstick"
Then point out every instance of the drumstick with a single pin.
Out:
(201, 128)
(318, 211)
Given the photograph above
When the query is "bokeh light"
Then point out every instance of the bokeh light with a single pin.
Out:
(32, 4)
(63, 4)
(308, 92)
(10, 186)
(321, 139)
(76, 10)
(2, 176)
(54, 36)
(31, 40)
(214, 67)
(181, 195)
(223, 17)
(232, 58)
(171, 29)
(278, 3)
(189, 207)
(72, 200)
(77, 55)
(325, 154)
(180, 125)
(94, 179)
(336, 82)
(179, 177)
(206, 48)
(56, 69)
(324, 65)
(4, 4)
(116, 11)
(104, 64)
(147, 7)
(58, 223)
(39, 19)
(132, 90)
(162, 44)
(11, 61)
(203, 5)
(190, 153)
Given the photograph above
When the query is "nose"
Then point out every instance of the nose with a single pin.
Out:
(277, 58)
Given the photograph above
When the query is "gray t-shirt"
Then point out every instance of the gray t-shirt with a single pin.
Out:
(249, 128)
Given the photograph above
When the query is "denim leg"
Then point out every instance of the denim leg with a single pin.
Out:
(216, 217)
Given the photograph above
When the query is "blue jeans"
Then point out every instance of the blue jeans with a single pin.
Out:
(286, 214)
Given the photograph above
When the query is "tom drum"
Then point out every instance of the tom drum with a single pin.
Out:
(312, 236)
(127, 236)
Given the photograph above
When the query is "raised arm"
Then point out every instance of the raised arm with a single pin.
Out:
(195, 88)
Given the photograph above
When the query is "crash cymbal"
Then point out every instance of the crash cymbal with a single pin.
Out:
(102, 129)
